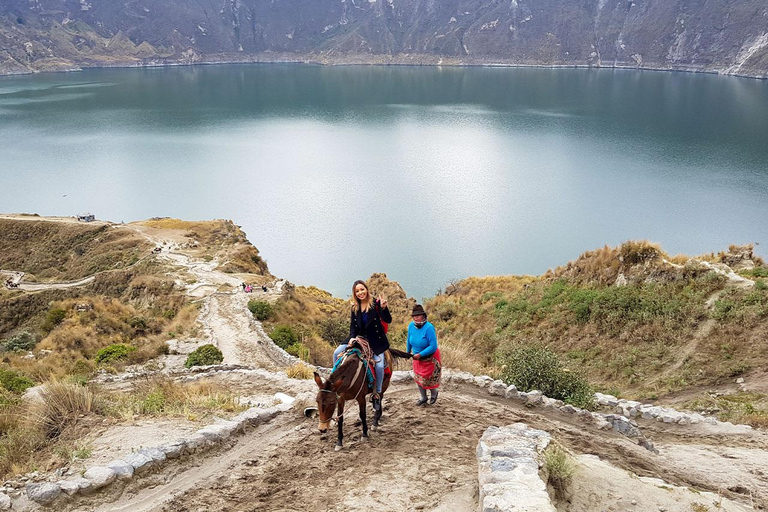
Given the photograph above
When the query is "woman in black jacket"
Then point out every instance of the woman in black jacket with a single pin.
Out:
(366, 320)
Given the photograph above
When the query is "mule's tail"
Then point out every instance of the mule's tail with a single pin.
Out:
(399, 353)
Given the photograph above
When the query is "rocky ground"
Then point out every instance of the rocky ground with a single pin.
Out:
(420, 458)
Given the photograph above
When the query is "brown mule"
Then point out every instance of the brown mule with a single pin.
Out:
(349, 382)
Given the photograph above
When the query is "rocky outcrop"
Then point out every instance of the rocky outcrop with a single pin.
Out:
(724, 37)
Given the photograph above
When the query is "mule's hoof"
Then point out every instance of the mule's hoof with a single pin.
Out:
(338, 448)
(364, 439)
(374, 427)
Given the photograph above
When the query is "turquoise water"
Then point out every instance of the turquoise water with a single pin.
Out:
(427, 174)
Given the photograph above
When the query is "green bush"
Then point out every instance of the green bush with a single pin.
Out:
(53, 318)
(531, 367)
(204, 356)
(112, 353)
(14, 382)
(284, 336)
(334, 330)
(262, 310)
(21, 341)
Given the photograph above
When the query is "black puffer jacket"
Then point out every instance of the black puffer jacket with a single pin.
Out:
(372, 329)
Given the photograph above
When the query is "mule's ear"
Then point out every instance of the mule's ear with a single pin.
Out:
(318, 380)
(337, 383)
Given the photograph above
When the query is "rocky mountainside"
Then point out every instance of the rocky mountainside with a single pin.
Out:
(726, 36)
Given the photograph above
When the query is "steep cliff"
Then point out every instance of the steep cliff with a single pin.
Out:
(726, 36)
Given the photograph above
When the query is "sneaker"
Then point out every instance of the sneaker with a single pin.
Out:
(421, 402)
(376, 401)
(432, 400)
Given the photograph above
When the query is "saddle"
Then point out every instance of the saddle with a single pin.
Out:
(364, 352)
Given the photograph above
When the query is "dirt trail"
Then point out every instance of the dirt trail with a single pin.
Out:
(705, 329)
(424, 459)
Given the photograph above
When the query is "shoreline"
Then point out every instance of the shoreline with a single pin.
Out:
(384, 61)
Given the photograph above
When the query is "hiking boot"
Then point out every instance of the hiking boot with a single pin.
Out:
(432, 400)
(421, 402)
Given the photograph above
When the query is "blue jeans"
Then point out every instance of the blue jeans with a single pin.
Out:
(336, 353)
(378, 365)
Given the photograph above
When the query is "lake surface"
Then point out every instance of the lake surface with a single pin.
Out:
(427, 174)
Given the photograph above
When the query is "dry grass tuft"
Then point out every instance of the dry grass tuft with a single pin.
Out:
(60, 405)
(560, 469)
(299, 371)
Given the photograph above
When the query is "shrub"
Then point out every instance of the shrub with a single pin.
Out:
(14, 382)
(262, 310)
(53, 318)
(284, 336)
(204, 356)
(112, 353)
(334, 330)
(299, 350)
(534, 367)
(21, 341)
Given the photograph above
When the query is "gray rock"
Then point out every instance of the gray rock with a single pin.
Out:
(100, 476)
(568, 408)
(250, 417)
(43, 493)
(122, 469)
(511, 391)
(172, 450)
(140, 462)
(497, 388)
(534, 398)
(5, 501)
(157, 455)
(196, 443)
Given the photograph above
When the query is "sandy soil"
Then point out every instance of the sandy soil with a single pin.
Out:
(424, 459)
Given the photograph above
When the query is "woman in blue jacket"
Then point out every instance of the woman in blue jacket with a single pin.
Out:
(422, 342)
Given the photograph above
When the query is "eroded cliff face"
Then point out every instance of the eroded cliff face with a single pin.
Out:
(727, 36)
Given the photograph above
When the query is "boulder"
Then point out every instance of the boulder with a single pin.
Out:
(172, 450)
(140, 462)
(497, 388)
(5, 501)
(100, 476)
(511, 391)
(122, 469)
(43, 493)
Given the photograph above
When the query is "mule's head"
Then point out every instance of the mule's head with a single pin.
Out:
(326, 401)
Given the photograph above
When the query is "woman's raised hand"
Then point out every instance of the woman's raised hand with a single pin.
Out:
(383, 301)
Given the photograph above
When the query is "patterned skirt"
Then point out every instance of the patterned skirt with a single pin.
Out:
(427, 371)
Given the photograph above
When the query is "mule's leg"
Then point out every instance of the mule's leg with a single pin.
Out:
(361, 403)
(377, 413)
(340, 440)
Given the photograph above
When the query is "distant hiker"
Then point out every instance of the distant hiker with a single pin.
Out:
(243, 285)
(422, 340)
(264, 288)
(366, 319)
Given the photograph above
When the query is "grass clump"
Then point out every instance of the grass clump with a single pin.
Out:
(261, 309)
(560, 469)
(531, 367)
(61, 405)
(113, 353)
(204, 356)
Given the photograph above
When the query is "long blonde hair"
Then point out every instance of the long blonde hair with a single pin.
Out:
(356, 302)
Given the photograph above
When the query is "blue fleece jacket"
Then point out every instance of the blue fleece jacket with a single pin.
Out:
(421, 341)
